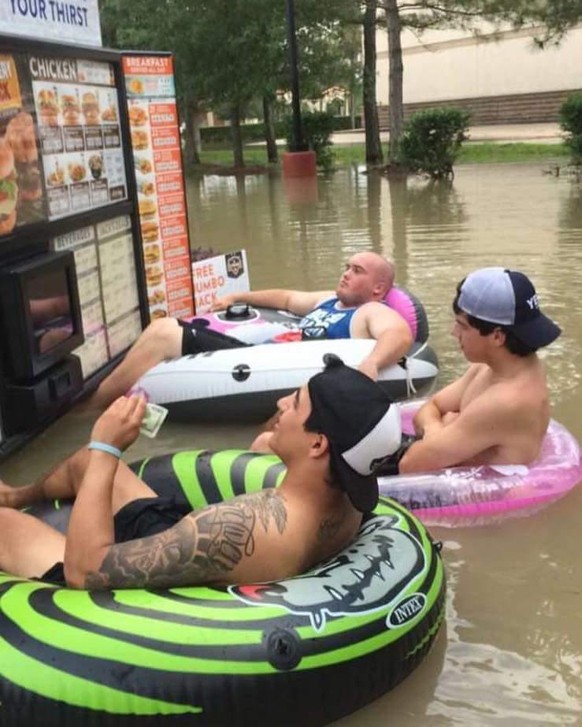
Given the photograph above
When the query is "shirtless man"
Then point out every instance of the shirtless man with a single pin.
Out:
(498, 411)
(354, 310)
(330, 435)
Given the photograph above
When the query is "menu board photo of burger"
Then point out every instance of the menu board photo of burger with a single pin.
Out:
(157, 161)
(80, 135)
(21, 192)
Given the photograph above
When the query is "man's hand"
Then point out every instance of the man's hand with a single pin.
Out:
(368, 367)
(223, 303)
(119, 424)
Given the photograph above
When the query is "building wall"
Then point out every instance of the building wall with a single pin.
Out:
(501, 77)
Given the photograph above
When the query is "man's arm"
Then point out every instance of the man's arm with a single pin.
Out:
(299, 302)
(215, 545)
(483, 424)
(91, 532)
(392, 334)
(444, 405)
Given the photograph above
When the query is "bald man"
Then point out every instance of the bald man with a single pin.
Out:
(354, 310)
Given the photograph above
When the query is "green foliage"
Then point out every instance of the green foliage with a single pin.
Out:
(432, 139)
(571, 123)
(220, 136)
(232, 53)
(317, 130)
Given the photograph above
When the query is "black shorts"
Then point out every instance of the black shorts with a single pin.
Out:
(198, 338)
(138, 519)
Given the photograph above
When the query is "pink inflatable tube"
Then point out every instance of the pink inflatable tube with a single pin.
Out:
(459, 496)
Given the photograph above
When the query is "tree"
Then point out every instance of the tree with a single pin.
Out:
(232, 53)
(371, 124)
(556, 17)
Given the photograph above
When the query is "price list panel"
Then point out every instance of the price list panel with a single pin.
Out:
(155, 139)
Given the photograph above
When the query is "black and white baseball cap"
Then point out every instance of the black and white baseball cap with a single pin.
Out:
(507, 297)
(361, 426)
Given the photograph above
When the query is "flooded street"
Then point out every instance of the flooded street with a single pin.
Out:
(511, 652)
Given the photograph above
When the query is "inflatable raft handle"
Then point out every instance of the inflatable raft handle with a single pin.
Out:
(237, 311)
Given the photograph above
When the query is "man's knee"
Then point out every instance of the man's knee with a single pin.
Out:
(165, 336)
(77, 466)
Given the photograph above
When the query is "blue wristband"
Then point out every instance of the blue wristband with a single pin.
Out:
(108, 448)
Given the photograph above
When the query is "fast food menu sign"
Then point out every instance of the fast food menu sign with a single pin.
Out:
(80, 137)
(21, 193)
(155, 139)
(107, 282)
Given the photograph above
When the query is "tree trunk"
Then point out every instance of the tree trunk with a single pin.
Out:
(272, 153)
(237, 146)
(191, 132)
(395, 96)
(372, 129)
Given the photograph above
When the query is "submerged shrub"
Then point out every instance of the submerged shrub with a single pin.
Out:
(318, 126)
(432, 139)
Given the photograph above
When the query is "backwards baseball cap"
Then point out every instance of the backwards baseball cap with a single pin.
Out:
(507, 297)
(361, 426)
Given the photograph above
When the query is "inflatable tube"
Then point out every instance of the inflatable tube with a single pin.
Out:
(480, 495)
(259, 325)
(306, 650)
(245, 383)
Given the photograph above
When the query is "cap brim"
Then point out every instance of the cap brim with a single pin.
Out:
(361, 489)
(539, 332)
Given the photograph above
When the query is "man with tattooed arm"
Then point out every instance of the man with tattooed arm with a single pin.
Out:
(331, 434)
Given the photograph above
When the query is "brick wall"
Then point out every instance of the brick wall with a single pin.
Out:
(515, 109)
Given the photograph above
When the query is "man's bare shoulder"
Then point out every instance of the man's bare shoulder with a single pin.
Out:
(508, 400)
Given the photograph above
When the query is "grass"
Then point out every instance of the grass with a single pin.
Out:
(488, 153)
(471, 153)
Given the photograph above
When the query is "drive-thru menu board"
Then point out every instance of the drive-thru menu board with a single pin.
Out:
(106, 277)
(21, 191)
(60, 139)
(155, 139)
(80, 137)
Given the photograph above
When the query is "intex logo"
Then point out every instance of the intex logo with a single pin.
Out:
(406, 610)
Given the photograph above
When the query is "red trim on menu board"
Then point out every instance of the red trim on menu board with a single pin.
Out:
(155, 135)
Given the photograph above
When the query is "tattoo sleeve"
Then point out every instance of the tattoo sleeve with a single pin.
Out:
(202, 548)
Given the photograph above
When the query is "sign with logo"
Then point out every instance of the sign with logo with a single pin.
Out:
(75, 21)
(219, 276)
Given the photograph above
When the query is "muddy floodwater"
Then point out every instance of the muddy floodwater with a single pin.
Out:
(511, 652)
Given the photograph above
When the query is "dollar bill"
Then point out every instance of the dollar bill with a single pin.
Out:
(153, 419)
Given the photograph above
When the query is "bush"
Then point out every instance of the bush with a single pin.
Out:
(220, 136)
(571, 123)
(432, 139)
(318, 126)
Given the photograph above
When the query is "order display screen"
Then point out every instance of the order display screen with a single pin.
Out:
(49, 308)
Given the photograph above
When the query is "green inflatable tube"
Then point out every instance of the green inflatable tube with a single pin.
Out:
(305, 650)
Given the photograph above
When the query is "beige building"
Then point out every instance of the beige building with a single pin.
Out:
(500, 77)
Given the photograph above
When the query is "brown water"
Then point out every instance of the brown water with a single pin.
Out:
(512, 650)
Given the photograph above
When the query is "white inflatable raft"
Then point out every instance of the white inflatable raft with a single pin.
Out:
(244, 383)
